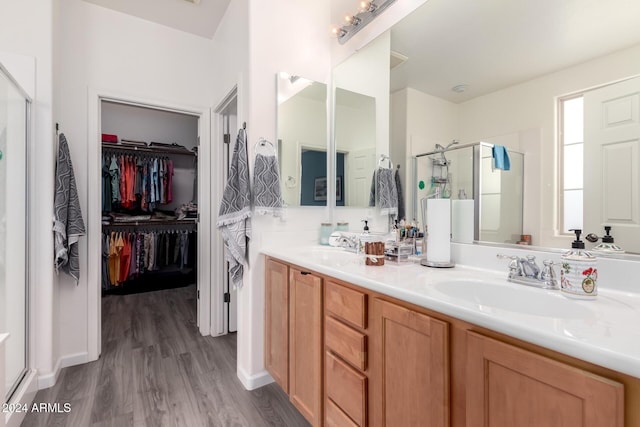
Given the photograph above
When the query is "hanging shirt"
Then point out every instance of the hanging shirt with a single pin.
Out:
(169, 180)
(114, 171)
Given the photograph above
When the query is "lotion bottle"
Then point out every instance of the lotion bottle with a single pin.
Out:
(579, 272)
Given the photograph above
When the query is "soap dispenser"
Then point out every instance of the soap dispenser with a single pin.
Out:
(607, 246)
(579, 272)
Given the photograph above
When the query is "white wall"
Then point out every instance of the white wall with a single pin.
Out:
(106, 51)
(26, 31)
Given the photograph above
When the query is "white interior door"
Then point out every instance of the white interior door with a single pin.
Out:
(230, 130)
(360, 166)
(611, 161)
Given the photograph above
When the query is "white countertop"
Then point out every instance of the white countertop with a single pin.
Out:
(604, 331)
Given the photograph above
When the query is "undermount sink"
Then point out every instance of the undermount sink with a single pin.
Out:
(507, 297)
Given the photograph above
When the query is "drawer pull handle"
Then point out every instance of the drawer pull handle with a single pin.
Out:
(304, 273)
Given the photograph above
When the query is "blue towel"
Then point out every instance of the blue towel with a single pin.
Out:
(501, 158)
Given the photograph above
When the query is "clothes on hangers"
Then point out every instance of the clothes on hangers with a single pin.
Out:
(136, 181)
(127, 255)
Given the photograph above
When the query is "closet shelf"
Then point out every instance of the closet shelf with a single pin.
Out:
(152, 150)
(151, 223)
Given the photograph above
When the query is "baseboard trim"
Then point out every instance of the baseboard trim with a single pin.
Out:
(252, 382)
(24, 395)
(49, 380)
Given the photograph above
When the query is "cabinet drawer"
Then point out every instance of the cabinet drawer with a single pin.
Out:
(346, 342)
(347, 388)
(336, 417)
(346, 304)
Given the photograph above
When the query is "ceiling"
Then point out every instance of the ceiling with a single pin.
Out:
(492, 44)
(200, 19)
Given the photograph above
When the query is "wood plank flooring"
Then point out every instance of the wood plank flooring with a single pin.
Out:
(157, 370)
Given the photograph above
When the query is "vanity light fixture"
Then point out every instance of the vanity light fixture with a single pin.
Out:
(367, 12)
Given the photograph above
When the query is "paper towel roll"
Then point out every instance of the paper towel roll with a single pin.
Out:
(439, 230)
(462, 229)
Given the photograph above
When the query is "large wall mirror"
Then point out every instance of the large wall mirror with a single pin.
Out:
(361, 120)
(499, 72)
(302, 140)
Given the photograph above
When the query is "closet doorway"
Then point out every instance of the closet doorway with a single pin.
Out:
(226, 130)
(153, 210)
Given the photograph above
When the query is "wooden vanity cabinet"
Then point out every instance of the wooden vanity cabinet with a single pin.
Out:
(386, 362)
(410, 364)
(508, 386)
(276, 322)
(346, 356)
(293, 335)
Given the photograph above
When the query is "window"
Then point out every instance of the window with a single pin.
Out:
(571, 152)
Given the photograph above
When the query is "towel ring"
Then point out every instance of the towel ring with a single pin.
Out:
(264, 147)
(383, 158)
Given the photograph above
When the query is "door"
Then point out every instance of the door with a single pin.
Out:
(229, 129)
(360, 166)
(611, 161)
(410, 363)
(276, 322)
(305, 344)
(14, 111)
(508, 386)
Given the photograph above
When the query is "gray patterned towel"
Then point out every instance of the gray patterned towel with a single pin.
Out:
(234, 217)
(384, 193)
(266, 185)
(68, 225)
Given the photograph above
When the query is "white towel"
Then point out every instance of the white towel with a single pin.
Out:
(266, 185)
(234, 217)
(68, 224)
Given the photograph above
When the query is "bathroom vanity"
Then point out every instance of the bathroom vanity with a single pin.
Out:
(354, 345)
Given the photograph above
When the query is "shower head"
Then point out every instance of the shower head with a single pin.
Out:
(454, 142)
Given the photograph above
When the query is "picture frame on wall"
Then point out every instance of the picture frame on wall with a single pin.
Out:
(320, 189)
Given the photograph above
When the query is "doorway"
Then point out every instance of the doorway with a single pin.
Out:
(194, 165)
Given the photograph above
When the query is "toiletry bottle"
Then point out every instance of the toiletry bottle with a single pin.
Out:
(579, 272)
(364, 237)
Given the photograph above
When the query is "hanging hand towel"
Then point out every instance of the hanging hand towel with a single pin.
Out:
(501, 158)
(384, 193)
(68, 225)
(398, 182)
(234, 219)
(266, 185)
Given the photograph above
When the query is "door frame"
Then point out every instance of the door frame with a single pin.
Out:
(219, 310)
(94, 209)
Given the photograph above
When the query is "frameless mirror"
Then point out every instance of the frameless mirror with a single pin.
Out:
(302, 140)
(361, 120)
(485, 72)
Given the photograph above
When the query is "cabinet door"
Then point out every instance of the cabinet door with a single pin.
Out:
(410, 361)
(276, 320)
(508, 386)
(305, 339)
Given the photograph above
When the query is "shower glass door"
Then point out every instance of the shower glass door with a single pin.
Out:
(14, 115)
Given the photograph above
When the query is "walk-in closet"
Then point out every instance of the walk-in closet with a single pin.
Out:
(149, 204)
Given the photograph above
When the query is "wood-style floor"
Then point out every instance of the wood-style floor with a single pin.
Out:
(157, 370)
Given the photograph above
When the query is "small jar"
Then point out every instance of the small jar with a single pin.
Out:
(326, 228)
(342, 226)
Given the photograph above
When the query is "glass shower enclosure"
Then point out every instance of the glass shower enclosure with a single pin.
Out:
(467, 172)
(14, 134)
